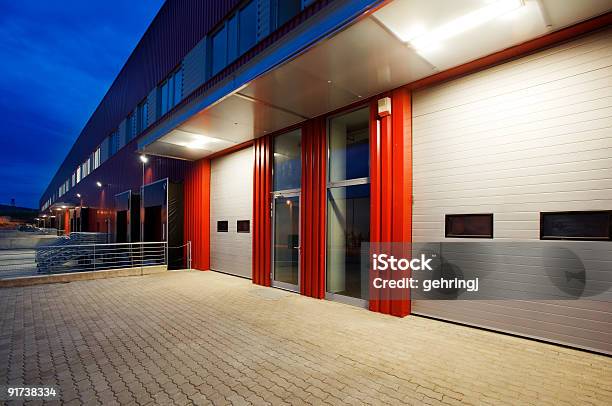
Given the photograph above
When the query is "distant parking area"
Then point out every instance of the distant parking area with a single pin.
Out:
(208, 338)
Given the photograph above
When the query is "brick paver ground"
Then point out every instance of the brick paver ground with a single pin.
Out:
(208, 338)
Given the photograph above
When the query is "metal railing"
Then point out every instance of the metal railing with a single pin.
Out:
(54, 259)
(95, 257)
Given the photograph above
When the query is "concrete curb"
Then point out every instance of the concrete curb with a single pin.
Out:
(81, 276)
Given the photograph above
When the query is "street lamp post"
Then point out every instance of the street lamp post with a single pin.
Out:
(143, 159)
(80, 211)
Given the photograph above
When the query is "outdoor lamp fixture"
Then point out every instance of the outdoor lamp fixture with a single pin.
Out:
(44, 216)
(63, 207)
(144, 159)
(433, 39)
(78, 195)
(99, 184)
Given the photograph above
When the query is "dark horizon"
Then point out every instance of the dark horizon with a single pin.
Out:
(58, 62)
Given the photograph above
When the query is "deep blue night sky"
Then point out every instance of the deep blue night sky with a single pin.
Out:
(57, 60)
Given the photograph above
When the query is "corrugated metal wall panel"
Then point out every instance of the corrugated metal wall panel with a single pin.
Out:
(262, 226)
(231, 200)
(313, 208)
(521, 138)
(197, 213)
(176, 29)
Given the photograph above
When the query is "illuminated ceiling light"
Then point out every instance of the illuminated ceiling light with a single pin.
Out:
(197, 144)
(63, 207)
(144, 159)
(433, 39)
(58, 209)
(99, 184)
(44, 216)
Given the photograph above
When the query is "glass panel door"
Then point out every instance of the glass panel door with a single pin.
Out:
(286, 241)
(348, 206)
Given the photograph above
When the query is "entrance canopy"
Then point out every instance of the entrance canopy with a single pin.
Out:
(403, 41)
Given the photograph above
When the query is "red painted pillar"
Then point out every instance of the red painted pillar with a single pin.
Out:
(67, 222)
(197, 213)
(391, 187)
(313, 206)
(262, 188)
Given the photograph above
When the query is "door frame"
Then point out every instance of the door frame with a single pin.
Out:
(283, 194)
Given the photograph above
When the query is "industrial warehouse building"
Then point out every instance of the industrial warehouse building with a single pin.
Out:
(281, 136)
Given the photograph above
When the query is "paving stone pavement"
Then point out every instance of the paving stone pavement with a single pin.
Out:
(208, 338)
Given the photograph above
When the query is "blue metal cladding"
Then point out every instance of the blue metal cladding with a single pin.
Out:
(175, 30)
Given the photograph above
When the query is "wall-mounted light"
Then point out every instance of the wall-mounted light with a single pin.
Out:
(78, 195)
(99, 184)
(144, 159)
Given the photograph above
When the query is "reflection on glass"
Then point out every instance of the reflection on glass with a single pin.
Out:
(348, 226)
(286, 239)
(349, 146)
(288, 161)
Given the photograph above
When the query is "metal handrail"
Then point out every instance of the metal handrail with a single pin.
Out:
(62, 258)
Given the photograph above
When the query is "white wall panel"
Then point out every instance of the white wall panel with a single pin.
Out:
(231, 199)
(528, 136)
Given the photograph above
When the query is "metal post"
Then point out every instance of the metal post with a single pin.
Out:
(188, 254)
(94, 257)
(141, 219)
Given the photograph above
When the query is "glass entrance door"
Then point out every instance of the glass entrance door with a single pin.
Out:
(286, 241)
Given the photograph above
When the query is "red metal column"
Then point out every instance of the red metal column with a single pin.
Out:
(67, 222)
(197, 213)
(313, 206)
(262, 187)
(391, 187)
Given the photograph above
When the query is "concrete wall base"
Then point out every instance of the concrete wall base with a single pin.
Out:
(81, 276)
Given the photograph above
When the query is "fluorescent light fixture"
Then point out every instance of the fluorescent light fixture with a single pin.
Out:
(434, 38)
(197, 144)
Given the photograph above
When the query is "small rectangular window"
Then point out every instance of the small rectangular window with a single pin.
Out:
(469, 225)
(243, 226)
(131, 127)
(143, 116)
(576, 225)
(232, 38)
(222, 226)
(247, 27)
(219, 51)
(164, 98)
(178, 87)
(287, 9)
